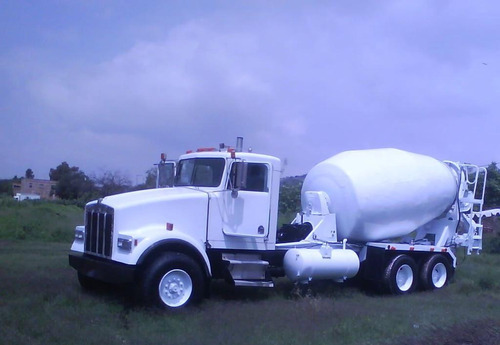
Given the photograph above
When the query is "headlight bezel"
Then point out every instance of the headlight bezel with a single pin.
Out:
(125, 243)
(79, 234)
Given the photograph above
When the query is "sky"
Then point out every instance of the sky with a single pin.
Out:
(108, 85)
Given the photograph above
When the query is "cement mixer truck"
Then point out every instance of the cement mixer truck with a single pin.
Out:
(390, 217)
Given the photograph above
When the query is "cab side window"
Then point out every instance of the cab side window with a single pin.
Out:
(256, 177)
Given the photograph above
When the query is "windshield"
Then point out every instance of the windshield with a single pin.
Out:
(200, 172)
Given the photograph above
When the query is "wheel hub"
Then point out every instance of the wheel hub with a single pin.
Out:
(404, 277)
(439, 275)
(175, 288)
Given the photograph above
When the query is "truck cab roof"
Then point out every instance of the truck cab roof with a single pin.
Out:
(245, 156)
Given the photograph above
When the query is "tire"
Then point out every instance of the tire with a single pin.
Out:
(436, 272)
(88, 283)
(174, 280)
(400, 276)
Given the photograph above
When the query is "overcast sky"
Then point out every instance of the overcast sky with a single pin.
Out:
(109, 85)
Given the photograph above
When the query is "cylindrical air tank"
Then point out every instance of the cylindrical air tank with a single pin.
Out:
(383, 193)
(304, 264)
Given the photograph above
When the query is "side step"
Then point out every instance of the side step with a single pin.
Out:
(248, 270)
(254, 283)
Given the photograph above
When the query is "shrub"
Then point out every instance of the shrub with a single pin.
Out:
(38, 220)
(492, 244)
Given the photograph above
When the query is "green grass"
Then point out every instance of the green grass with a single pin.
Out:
(38, 220)
(42, 303)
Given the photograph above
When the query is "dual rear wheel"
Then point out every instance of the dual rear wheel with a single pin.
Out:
(436, 272)
(401, 274)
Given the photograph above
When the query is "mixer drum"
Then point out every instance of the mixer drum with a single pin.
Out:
(383, 193)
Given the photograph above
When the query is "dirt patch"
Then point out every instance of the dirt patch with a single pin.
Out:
(480, 332)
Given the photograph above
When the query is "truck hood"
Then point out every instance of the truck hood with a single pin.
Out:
(150, 196)
(135, 212)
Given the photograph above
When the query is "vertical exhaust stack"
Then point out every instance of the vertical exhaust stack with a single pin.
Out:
(239, 144)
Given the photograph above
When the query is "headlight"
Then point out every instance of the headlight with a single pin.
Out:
(125, 243)
(79, 233)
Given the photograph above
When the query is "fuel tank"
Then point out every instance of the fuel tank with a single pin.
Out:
(304, 264)
(383, 193)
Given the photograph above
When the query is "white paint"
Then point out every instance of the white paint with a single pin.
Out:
(383, 193)
(323, 263)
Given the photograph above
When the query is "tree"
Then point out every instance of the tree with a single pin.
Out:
(29, 174)
(151, 178)
(6, 187)
(61, 170)
(110, 183)
(289, 203)
(492, 191)
(72, 183)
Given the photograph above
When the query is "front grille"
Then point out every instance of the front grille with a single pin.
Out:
(99, 230)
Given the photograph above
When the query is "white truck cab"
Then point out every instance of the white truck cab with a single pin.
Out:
(222, 211)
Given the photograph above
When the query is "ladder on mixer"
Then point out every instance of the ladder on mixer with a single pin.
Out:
(474, 236)
(471, 200)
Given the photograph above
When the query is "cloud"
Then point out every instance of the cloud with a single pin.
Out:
(302, 81)
(189, 76)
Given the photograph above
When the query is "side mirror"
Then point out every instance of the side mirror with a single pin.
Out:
(165, 174)
(239, 177)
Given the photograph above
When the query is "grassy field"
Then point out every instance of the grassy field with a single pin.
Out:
(38, 220)
(41, 302)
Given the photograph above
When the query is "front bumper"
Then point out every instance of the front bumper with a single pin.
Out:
(102, 269)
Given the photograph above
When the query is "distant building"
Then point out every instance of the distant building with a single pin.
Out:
(28, 186)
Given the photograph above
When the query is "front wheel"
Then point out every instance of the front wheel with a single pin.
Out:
(400, 275)
(174, 280)
(436, 272)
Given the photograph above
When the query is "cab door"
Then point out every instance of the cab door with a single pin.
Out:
(240, 219)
